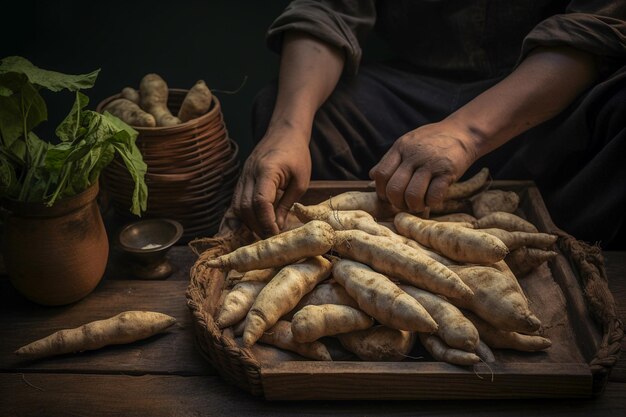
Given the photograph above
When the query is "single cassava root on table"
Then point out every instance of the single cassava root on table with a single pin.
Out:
(378, 287)
(125, 327)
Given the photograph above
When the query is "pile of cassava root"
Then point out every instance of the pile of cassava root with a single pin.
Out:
(147, 107)
(450, 281)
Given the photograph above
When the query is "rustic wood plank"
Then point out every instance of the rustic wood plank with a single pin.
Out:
(172, 352)
(29, 395)
(615, 263)
(427, 380)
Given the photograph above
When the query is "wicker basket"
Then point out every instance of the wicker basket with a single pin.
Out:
(244, 368)
(192, 170)
(235, 364)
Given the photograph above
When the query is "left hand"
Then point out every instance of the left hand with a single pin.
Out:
(420, 166)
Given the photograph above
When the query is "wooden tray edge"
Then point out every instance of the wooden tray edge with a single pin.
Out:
(423, 381)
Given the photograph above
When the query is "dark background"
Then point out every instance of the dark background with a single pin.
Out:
(219, 41)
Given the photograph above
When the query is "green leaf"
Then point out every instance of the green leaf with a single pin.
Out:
(68, 129)
(31, 189)
(20, 113)
(52, 80)
(57, 155)
(88, 152)
(17, 151)
(36, 146)
(101, 161)
(137, 169)
(125, 145)
(37, 191)
(120, 125)
(88, 140)
(88, 169)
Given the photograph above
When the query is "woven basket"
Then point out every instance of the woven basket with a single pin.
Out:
(235, 364)
(192, 170)
(243, 368)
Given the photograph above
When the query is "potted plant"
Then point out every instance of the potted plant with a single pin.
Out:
(55, 246)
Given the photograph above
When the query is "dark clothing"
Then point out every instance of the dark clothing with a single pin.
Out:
(461, 39)
(451, 51)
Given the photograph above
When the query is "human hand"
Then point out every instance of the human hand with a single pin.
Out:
(274, 176)
(420, 166)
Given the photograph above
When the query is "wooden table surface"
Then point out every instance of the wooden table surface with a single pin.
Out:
(166, 376)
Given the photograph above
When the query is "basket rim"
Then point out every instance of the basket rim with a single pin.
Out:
(205, 327)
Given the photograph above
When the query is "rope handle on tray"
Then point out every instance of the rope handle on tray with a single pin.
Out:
(589, 263)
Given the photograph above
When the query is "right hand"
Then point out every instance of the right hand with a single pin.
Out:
(274, 176)
(421, 165)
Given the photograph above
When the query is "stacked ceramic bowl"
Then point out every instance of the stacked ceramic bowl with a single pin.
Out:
(192, 170)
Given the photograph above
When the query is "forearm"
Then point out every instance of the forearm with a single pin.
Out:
(543, 85)
(309, 72)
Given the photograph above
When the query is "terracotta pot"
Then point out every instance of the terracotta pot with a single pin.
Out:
(56, 255)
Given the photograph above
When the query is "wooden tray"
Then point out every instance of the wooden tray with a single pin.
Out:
(577, 365)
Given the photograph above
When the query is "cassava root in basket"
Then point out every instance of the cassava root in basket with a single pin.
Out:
(379, 297)
(148, 106)
(154, 93)
(130, 112)
(313, 322)
(312, 239)
(454, 241)
(282, 294)
(400, 261)
(374, 274)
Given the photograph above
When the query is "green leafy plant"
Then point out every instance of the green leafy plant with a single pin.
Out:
(35, 170)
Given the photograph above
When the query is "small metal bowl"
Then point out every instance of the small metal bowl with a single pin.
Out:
(147, 242)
